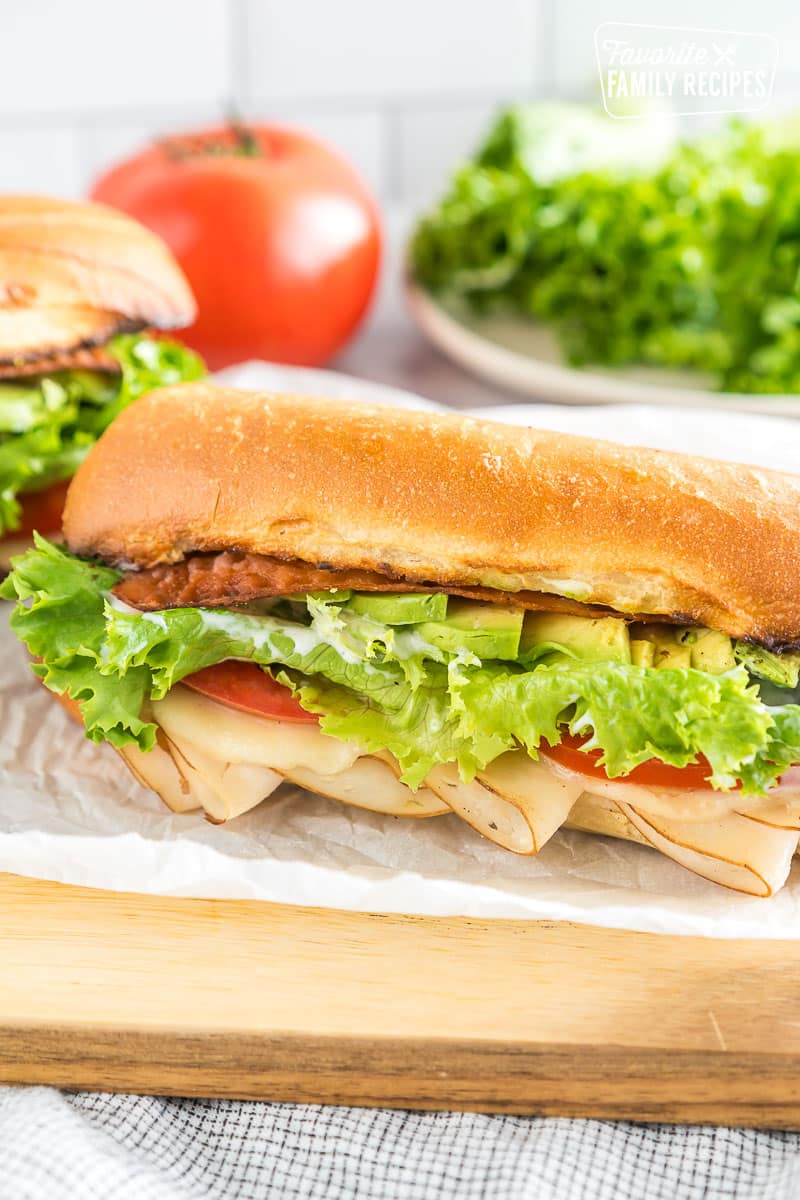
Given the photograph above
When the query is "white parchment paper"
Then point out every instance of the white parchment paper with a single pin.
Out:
(70, 810)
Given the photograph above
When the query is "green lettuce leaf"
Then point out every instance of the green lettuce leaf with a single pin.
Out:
(148, 363)
(48, 423)
(634, 714)
(386, 688)
(365, 687)
(415, 724)
(60, 616)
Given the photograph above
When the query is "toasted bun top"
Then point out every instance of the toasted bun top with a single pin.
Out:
(72, 275)
(448, 499)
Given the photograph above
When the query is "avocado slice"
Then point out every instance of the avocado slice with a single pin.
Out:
(710, 650)
(781, 669)
(488, 630)
(669, 652)
(642, 653)
(593, 639)
(399, 608)
(679, 648)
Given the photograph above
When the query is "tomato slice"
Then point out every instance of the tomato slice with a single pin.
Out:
(245, 686)
(649, 774)
(42, 511)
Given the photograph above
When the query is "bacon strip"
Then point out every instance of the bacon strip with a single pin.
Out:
(89, 358)
(233, 577)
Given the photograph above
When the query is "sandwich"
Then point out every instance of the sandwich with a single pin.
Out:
(79, 283)
(429, 615)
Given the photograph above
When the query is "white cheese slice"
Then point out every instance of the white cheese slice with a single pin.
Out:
(780, 816)
(231, 736)
(186, 778)
(371, 784)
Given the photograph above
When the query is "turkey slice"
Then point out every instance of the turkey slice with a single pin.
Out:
(735, 851)
(371, 784)
(187, 778)
(515, 802)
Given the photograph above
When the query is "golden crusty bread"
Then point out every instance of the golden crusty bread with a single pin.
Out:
(442, 498)
(74, 274)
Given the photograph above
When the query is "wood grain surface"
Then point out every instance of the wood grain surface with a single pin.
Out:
(233, 998)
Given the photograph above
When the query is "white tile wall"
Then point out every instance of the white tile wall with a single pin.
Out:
(404, 88)
(430, 141)
(100, 55)
(41, 160)
(388, 47)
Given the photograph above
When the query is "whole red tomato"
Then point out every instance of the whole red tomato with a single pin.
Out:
(277, 234)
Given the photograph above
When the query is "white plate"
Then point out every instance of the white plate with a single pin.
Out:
(524, 357)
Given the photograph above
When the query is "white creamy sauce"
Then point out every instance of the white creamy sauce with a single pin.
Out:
(120, 606)
(155, 618)
(409, 644)
(261, 630)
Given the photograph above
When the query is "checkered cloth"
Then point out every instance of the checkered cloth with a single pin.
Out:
(55, 1146)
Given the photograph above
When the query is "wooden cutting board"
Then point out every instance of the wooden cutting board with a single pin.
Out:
(230, 998)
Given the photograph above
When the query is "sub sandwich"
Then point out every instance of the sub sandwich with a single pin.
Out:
(431, 615)
(79, 283)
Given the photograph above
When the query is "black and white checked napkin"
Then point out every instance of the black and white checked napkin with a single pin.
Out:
(57, 1146)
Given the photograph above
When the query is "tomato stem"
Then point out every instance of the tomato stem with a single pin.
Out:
(246, 141)
(242, 142)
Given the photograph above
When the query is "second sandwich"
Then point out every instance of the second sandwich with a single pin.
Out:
(81, 286)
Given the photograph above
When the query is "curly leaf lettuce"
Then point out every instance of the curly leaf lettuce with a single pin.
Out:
(60, 616)
(633, 714)
(48, 423)
(385, 688)
(691, 261)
